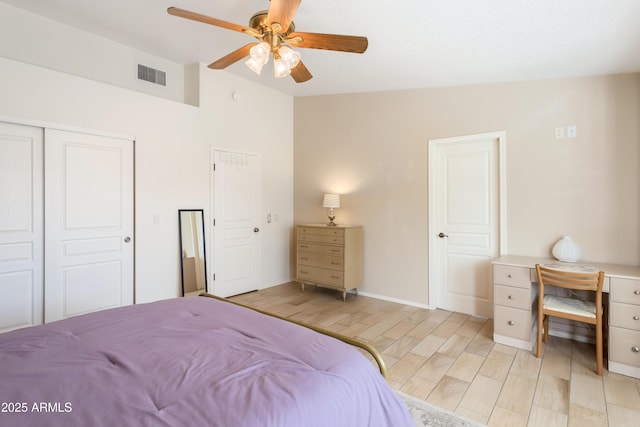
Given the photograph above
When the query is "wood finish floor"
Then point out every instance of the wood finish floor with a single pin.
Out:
(450, 360)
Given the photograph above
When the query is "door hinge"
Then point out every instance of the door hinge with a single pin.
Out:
(214, 277)
(214, 222)
(214, 167)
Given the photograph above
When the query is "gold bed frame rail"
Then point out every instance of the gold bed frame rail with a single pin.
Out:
(357, 343)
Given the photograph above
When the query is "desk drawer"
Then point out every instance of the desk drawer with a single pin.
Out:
(511, 296)
(511, 276)
(625, 290)
(624, 315)
(624, 346)
(512, 322)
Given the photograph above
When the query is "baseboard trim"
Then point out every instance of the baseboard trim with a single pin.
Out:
(396, 300)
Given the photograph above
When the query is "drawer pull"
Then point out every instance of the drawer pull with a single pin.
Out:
(636, 318)
(635, 349)
(304, 246)
(510, 297)
(636, 292)
(304, 272)
(335, 250)
(511, 323)
(509, 276)
(335, 277)
(335, 263)
(304, 258)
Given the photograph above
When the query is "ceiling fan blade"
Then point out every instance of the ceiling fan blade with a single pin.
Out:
(232, 58)
(355, 44)
(175, 11)
(282, 11)
(300, 73)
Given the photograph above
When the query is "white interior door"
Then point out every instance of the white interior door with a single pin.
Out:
(88, 223)
(236, 232)
(465, 193)
(21, 252)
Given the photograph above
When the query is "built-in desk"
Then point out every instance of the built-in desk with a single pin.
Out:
(516, 310)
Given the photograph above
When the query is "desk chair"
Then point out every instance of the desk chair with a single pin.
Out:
(570, 307)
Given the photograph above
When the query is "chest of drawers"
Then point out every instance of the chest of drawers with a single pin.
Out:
(329, 256)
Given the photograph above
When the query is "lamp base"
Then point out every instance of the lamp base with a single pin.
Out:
(331, 223)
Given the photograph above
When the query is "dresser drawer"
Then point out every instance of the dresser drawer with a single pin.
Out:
(320, 275)
(320, 231)
(512, 322)
(512, 297)
(623, 344)
(321, 238)
(512, 276)
(321, 249)
(625, 290)
(624, 315)
(320, 260)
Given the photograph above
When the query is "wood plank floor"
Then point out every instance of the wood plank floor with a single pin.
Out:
(450, 360)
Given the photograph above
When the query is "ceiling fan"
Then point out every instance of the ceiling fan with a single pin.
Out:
(275, 31)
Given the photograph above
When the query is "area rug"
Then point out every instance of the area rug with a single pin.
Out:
(425, 414)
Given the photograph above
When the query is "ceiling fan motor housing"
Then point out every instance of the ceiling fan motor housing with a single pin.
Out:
(259, 23)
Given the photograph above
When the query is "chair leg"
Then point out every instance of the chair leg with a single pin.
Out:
(599, 350)
(539, 342)
(546, 328)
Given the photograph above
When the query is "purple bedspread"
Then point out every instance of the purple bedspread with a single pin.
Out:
(188, 362)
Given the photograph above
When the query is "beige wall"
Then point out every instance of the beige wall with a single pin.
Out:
(372, 148)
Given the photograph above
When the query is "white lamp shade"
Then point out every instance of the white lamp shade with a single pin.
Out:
(255, 64)
(290, 56)
(280, 67)
(331, 201)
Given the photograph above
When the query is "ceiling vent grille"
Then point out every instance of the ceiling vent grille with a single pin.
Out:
(152, 75)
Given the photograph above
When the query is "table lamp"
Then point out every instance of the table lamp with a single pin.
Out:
(331, 201)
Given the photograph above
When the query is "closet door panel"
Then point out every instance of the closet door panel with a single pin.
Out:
(21, 221)
(88, 223)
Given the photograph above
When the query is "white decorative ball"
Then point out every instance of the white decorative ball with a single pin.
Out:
(567, 250)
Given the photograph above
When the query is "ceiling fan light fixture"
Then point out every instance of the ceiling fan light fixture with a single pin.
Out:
(258, 56)
(290, 56)
(280, 67)
(255, 65)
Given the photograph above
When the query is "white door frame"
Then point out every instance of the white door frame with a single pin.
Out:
(433, 239)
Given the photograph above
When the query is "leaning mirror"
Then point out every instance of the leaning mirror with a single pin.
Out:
(192, 250)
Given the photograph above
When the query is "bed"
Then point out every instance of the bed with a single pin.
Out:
(196, 361)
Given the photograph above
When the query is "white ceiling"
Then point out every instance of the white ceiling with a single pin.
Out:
(412, 43)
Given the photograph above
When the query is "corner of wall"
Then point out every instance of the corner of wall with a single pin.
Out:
(192, 84)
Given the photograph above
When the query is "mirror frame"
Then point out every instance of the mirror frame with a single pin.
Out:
(204, 247)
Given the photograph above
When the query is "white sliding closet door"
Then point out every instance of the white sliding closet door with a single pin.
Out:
(88, 223)
(20, 226)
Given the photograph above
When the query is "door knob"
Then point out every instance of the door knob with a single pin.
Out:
(441, 235)
(127, 239)
(256, 229)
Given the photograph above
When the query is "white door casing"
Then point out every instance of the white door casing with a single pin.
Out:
(88, 223)
(21, 226)
(236, 207)
(467, 221)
